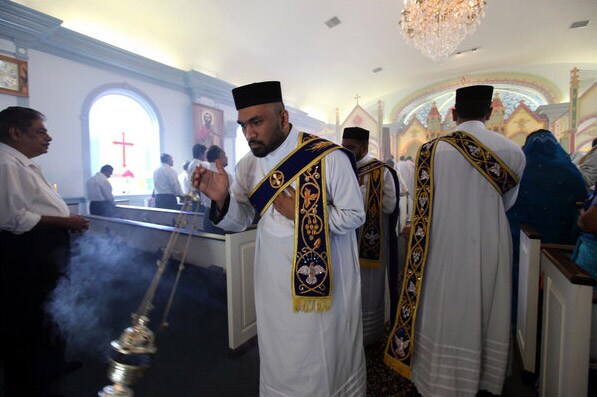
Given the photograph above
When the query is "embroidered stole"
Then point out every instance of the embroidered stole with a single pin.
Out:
(312, 270)
(371, 233)
(400, 345)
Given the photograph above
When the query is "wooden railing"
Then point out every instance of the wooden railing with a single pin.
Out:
(553, 288)
(566, 325)
(158, 216)
(233, 252)
(528, 298)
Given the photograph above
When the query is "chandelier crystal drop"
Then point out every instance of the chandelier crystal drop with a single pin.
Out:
(436, 27)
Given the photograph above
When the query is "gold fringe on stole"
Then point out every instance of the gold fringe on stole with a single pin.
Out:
(397, 366)
(422, 214)
(311, 214)
(311, 305)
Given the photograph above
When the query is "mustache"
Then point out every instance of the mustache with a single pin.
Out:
(254, 141)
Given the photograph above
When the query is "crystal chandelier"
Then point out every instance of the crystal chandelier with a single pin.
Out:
(436, 27)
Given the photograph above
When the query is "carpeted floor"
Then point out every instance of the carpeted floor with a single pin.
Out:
(381, 380)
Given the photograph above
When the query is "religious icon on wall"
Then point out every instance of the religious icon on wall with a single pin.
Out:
(13, 76)
(207, 125)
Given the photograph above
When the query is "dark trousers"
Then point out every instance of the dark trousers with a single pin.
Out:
(32, 350)
(102, 208)
(167, 201)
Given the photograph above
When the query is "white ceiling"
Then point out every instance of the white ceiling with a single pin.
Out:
(321, 69)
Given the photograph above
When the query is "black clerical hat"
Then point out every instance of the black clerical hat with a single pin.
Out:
(474, 93)
(357, 133)
(257, 94)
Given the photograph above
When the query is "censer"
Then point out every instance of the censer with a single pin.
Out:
(131, 354)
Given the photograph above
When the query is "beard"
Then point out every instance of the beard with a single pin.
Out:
(261, 149)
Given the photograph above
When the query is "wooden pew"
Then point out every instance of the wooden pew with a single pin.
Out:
(528, 298)
(158, 216)
(234, 252)
(566, 325)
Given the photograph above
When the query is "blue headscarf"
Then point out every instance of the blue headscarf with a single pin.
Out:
(550, 187)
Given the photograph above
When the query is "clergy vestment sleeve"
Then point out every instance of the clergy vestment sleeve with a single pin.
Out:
(238, 216)
(240, 213)
(388, 202)
(346, 210)
(520, 161)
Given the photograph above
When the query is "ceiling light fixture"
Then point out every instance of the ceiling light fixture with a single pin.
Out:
(436, 27)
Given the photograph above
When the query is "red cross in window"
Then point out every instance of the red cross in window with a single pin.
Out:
(124, 144)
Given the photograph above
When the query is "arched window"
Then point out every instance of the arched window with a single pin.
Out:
(124, 132)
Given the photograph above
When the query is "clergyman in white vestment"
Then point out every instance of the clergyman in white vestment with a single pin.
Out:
(302, 353)
(463, 322)
(373, 276)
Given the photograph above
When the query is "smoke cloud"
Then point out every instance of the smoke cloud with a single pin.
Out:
(105, 281)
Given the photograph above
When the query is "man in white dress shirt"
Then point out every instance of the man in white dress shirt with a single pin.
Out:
(307, 280)
(99, 192)
(377, 239)
(34, 253)
(587, 165)
(166, 185)
(460, 258)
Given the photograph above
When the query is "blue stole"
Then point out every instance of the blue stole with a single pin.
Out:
(312, 270)
(370, 234)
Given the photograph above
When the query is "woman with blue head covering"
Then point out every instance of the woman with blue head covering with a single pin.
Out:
(550, 187)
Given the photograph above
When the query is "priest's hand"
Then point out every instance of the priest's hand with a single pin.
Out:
(285, 203)
(213, 184)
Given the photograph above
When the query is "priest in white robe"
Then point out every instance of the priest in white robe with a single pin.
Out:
(462, 332)
(304, 350)
(378, 236)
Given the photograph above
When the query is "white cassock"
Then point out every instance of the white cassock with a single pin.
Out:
(406, 173)
(304, 354)
(463, 323)
(373, 281)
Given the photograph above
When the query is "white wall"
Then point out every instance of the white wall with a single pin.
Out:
(59, 88)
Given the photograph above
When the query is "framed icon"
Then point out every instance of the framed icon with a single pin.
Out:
(13, 76)
(208, 125)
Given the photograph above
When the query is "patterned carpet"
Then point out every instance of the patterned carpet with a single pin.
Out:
(381, 380)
